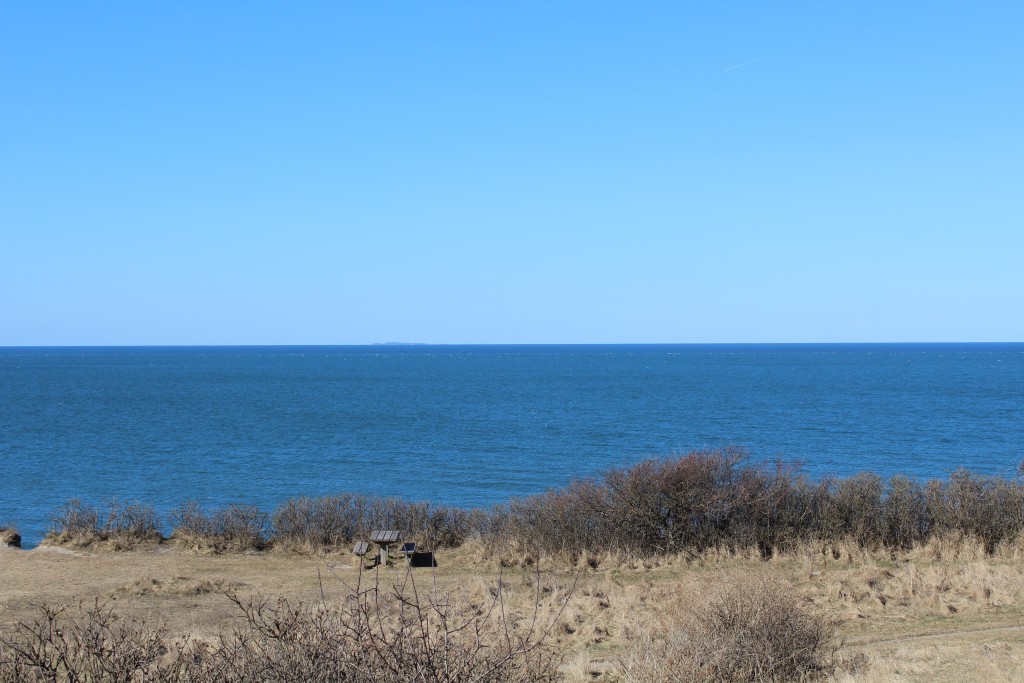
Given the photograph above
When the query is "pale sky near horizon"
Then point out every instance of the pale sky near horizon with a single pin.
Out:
(510, 172)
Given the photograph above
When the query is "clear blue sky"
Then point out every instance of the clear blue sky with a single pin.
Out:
(489, 172)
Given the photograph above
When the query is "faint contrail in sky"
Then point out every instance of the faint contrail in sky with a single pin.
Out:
(743, 64)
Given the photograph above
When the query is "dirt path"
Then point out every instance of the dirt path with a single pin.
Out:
(938, 634)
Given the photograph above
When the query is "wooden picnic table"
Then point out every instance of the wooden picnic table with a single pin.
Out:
(385, 538)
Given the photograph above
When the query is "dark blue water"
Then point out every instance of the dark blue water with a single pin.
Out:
(474, 425)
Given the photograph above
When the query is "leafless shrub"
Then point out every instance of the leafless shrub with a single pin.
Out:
(758, 631)
(989, 508)
(698, 501)
(372, 636)
(377, 635)
(769, 507)
(686, 504)
(242, 526)
(233, 528)
(331, 523)
(905, 521)
(133, 520)
(189, 519)
(859, 504)
(714, 499)
(90, 644)
(75, 518)
(122, 525)
(557, 521)
(318, 523)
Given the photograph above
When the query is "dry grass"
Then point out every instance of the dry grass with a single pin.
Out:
(370, 632)
(699, 567)
(945, 610)
(988, 656)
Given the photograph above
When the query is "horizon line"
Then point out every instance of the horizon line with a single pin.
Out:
(433, 344)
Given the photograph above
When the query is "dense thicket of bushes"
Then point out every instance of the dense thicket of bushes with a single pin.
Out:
(689, 503)
(324, 523)
(710, 499)
(299, 524)
(235, 527)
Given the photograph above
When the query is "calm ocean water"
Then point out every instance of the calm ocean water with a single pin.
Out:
(475, 425)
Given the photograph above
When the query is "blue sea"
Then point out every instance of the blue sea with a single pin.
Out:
(477, 425)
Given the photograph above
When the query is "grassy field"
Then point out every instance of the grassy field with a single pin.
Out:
(946, 610)
(698, 567)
